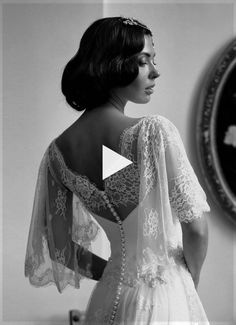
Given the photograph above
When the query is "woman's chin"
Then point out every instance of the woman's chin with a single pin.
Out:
(146, 99)
(143, 100)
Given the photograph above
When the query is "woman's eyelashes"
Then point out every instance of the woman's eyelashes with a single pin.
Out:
(143, 62)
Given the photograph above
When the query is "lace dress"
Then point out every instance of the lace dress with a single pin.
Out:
(146, 280)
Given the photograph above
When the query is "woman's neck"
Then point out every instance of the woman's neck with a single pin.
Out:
(117, 101)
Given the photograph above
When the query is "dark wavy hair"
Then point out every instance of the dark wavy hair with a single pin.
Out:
(106, 58)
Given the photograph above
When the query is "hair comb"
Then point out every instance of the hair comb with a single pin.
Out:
(132, 22)
(129, 21)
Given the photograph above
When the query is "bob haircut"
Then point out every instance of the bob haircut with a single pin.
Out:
(106, 58)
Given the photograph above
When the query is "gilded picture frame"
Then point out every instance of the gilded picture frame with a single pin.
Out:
(216, 130)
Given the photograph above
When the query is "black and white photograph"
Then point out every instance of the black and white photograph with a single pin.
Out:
(118, 162)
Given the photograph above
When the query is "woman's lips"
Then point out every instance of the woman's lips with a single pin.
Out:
(149, 90)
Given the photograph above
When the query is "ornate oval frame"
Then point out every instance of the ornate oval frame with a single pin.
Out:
(209, 120)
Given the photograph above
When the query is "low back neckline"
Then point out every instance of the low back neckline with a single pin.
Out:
(85, 177)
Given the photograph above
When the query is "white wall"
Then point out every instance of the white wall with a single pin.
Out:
(38, 39)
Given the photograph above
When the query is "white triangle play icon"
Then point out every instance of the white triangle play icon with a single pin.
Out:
(112, 162)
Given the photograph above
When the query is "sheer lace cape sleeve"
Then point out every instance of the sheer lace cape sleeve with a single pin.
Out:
(169, 193)
(60, 233)
(62, 228)
(187, 197)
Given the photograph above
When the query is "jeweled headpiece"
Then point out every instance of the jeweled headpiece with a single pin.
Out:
(129, 21)
(132, 22)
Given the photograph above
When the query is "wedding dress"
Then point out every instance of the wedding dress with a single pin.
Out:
(146, 279)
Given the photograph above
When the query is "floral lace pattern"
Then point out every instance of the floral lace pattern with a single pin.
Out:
(57, 228)
(186, 195)
(60, 202)
(185, 198)
(149, 272)
(123, 186)
(85, 229)
(79, 184)
(60, 255)
(132, 278)
(145, 305)
(151, 135)
(151, 223)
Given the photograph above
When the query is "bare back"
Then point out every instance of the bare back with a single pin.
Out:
(81, 146)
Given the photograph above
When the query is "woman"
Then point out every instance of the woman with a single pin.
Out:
(151, 211)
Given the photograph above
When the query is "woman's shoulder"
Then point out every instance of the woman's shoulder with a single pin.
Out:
(160, 124)
(96, 129)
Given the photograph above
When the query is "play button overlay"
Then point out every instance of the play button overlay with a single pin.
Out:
(112, 162)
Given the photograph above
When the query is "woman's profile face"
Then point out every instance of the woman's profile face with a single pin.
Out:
(140, 90)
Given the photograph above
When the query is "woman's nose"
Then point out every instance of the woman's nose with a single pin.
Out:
(154, 73)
